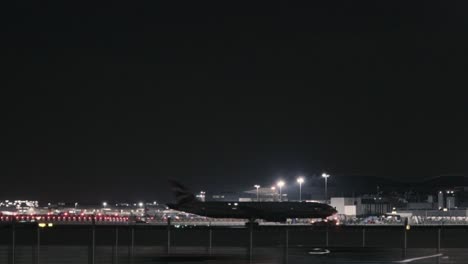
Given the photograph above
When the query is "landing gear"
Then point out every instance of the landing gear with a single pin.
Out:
(251, 223)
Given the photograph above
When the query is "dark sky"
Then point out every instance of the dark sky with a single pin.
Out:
(108, 101)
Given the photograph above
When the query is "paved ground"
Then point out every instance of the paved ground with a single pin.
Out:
(73, 244)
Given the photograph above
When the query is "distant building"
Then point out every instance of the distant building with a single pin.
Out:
(201, 196)
(440, 200)
(361, 206)
(345, 205)
(450, 202)
(265, 195)
(218, 197)
(430, 199)
(19, 204)
(224, 197)
(374, 205)
(419, 206)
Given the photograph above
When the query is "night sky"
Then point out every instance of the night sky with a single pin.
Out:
(108, 101)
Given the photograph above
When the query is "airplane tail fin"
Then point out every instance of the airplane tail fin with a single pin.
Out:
(182, 193)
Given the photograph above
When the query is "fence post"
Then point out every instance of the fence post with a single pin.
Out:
(326, 236)
(38, 245)
(286, 245)
(116, 246)
(210, 239)
(93, 243)
(363, 237)
(404, 242)
(251, 224)
(438, 240)
(168, 235)
(13, 243)
(132, 243)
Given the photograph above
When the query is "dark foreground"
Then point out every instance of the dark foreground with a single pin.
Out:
(152, 244)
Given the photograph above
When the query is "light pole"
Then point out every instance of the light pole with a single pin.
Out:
(300, 180)
(326, 176)
(280, 185)
(257, 186)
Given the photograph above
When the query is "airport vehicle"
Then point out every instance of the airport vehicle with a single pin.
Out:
(269, 211)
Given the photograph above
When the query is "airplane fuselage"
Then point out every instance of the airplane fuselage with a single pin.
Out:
(270, 211)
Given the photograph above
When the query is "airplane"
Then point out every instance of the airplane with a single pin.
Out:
(268, 211)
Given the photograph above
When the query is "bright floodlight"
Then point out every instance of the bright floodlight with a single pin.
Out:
(280, 184)
(257, 186)
(326, 176)
(140, 204)
(300, 180)
(273, 188)
(104, 204)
